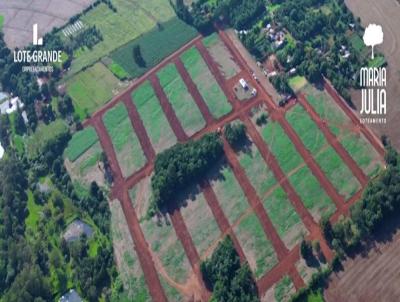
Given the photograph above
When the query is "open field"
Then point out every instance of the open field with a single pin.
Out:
(20, 15)
(208, 87)
(220, 54)
(182, 102)
(200, 222)
(132, 19)
(385, 13)
(126, 258)
(329, 161)
(153, 117)
(258, 249)
(155, 45)
(80, 142)
(126, 144)
(167, 248)
(92, 88)
(229, 193)
(280, 292)
(372, 276)
(140, 196)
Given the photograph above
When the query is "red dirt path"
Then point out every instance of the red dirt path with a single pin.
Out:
(168, 110)
(358, 173)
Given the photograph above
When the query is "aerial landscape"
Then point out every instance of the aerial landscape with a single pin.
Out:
(199, 150)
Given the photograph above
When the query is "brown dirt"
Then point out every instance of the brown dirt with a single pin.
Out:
(168, 110)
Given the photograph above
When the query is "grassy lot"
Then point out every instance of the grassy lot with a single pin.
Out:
(326, 109)
(44, 134)
(281, 146)
(297, 83)
(1, 22)
(284, 217)
(132, 19)
(140, 196)
(81, 141)
(126, 144)
(200, 222)
(155, 45)
(154, 120)
(172, 293)
(91, 88)
(260, 176)
(284, 289)
(311, 193)
(206, 83)
(229, 193)
(165, 245)
(258, 249)
(182, 102)
(362, 152)
(127, 260)
(338, 173)
(306, 129)
(329, 161)
(118, 71)
(221, 56)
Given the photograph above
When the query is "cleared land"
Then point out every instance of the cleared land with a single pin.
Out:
(126, 258)
(126, 144)
(132, 19)
(220, 54)
(92, 88)
(304, 182)
(280, 292)
(140, 196)
(200, 222)
(329, 161)
(258, 249)
(182, 102)
(19, 15)
(80, 142)
(155, 45)
(206, 83)
(152, 115)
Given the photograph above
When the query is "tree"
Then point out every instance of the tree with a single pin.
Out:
(137, 56)
(305, 249)
(235, 133)
(373, 36)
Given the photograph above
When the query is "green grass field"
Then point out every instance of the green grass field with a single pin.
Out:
(127, 262)
(229, 193)
(126, 144)
(284, 289)
(311, 193)
(182, 102)
(155, 45)
(91, 88)
(362, 152)
(258, 249)
(297, 83)
(284, 217)
(165, 245)
(220, 54)
(80, 142)
(357, 43)
(132, 19)
(118, 71)
(207, 85)
(338, 173)
(153, 117)
(326, 109)
(281, 146)
(43, 135)
(257, 171)
(200, 222)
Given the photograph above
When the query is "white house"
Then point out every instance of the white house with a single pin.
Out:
(244, 84)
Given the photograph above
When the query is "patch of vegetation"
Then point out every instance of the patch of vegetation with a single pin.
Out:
(226, 277)
(154, 46)
(235, 134)
(182, 165)
(80, 142)
(118, 71)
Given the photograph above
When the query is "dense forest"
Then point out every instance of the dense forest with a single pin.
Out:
(182, 165)
(229, 280)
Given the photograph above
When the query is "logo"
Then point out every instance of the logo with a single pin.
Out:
(35, 39)
(373, 36)
(373, 81)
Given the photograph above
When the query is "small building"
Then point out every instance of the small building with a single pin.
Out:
(76, 229)
(292, 71)
(244, 84)
(10, 106)
(254, 92)
(272, 74)
(71, 296)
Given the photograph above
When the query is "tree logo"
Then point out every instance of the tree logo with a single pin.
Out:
(373, 36)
